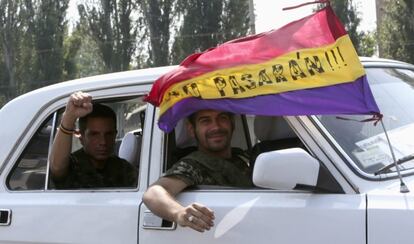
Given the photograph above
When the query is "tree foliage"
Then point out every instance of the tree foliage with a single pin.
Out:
(46, 29)
(235, 19)
(112, 28)
(32, 49)
(37, 47)
(158, 17)
(71, 45)
(367, 44)
(87, 60)
(347, 12)
(10, 24)
(396, 33)
(206, 23)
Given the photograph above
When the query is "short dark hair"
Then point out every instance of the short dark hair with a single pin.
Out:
(191, 118)
(98, 111)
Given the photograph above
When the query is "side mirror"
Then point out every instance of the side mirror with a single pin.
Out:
(286, 169)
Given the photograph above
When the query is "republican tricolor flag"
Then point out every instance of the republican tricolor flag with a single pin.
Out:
(307, 67)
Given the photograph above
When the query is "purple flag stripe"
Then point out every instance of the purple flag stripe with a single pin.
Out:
(347, 98)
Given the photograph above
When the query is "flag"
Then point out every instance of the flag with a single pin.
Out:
(307, 67)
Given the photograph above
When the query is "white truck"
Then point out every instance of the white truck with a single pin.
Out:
(318, 179)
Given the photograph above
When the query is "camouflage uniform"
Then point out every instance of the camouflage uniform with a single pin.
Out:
(199, 168)
(82, 174)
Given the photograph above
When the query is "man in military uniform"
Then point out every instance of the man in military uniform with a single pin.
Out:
(94, 165)
(214, 163)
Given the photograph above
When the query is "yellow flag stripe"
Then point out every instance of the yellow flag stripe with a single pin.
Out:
(301, 69)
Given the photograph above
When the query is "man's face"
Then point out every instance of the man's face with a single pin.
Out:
(98, 140)
(213, 130)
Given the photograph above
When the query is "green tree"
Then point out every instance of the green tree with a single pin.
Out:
(158, 17)
(396, 32)
(200, 29)
(4, 88)
(32, 48)
(235, 19)
(10, 34)
(87, 59)
(368, 43)
(111, 26)
(71, 46)
(47, 25)
(207, 23)
(27, 68)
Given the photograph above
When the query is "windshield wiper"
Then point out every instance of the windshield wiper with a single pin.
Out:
(399, 162)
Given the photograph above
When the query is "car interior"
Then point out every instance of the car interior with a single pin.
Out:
(29, 172)
(255, 134)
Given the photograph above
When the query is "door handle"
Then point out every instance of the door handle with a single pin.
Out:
(5, 217)
(152, 221)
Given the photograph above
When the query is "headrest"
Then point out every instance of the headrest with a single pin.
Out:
(272, 128)
(129, 148)
(183, 139)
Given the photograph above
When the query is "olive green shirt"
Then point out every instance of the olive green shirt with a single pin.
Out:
(117, 172)
(199, 168)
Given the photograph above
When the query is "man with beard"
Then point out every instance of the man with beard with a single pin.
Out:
(214, 163)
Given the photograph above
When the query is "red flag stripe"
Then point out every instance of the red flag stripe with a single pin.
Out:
(304, 33)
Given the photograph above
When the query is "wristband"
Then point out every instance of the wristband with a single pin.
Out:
(65, 130)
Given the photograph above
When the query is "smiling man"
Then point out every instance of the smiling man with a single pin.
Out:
(214, 163)
(94, 165)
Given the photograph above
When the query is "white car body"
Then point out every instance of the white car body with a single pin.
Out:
(370, 209)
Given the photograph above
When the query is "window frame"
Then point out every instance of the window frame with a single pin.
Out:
(52, 111)
(16, 164)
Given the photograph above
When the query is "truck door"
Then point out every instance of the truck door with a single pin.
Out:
(259, 215)
(32, 211)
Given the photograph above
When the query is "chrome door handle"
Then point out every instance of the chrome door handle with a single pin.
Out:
(152, 221)
(5, 217)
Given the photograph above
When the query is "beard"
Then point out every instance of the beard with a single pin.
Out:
(216, 140)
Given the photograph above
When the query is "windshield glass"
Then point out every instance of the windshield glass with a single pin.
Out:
(365, 143)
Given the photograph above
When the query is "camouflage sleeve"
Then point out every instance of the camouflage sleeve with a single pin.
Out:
(187, 171)
(132, 176)
(129, 173)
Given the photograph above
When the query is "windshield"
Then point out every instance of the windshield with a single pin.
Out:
(365, 143)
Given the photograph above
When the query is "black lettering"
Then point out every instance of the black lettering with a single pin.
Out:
(334, 56)
(295, 70)
(329, 60)
(220, 84)
(192, 89)
(340, 55)
(248, 78)
(264, 78)
(235, 85)
(278, 73)
(172, 94)
(314, 66)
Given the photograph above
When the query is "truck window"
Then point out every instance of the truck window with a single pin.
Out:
(252, 134)
(130, 114)
(29, 172)
(180, 143)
